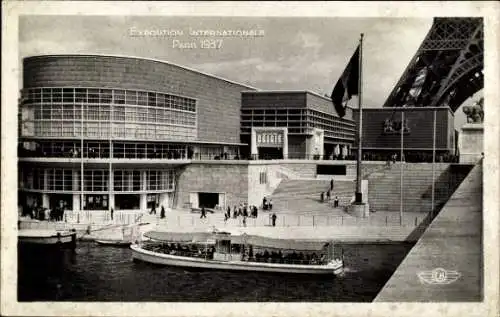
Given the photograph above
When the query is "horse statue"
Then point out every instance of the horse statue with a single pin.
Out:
(475, 113)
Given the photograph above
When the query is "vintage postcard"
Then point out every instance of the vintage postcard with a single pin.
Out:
(256, 158)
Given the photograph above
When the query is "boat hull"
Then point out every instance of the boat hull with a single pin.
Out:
(140, 254)
(56, 239)
(113, 243)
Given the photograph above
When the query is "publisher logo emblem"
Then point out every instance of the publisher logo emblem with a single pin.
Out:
(438, 276)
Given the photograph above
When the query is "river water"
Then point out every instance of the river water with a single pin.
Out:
(97, 273)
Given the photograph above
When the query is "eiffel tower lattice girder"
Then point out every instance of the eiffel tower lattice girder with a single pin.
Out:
(447, 68)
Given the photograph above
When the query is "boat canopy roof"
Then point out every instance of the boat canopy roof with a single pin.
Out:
(254, 240)
(284, 244)
(179, 236)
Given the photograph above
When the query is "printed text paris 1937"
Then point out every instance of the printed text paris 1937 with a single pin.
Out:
(193, 38)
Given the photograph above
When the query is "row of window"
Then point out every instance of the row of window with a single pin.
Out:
(102, 130)
(54, 179)
(299, 122)
(106, 96)
(130, 150)
(103, 112)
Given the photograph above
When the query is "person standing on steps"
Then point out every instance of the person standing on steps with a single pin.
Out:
(273, 219)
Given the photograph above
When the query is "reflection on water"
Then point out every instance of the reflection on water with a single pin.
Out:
(94, 273)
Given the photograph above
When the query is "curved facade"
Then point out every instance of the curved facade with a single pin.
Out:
(123, 123)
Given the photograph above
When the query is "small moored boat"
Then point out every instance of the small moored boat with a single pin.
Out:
(38, 237)
(128, 234)
(223, 251)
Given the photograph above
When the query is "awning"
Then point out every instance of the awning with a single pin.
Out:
(283, 244)
(257, 241)
(178, 236)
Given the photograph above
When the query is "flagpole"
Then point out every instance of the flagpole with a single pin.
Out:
(359, 195)
(433, 163)
(81, 159)
(401, 162)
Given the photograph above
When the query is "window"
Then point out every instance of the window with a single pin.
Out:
(263, 178)
(93, 95)
(142, 98)
(106, 96)
(56, 95)
(95, 180)
(119, 96)
(80, 95)
(68, 95)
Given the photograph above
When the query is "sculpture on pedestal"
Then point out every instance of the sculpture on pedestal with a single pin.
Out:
(475, 112)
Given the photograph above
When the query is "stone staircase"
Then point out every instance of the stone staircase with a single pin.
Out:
(301, 195)
(384, 190)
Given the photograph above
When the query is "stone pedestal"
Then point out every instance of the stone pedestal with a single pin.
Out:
(359, 210)
(470, 143)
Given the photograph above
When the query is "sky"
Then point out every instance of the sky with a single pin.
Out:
(288, 53)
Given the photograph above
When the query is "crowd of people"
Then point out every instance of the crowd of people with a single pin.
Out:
(38, 212)
(243, 210)
(411, 157)
(190, 250)
(288, 258)
(247, 253)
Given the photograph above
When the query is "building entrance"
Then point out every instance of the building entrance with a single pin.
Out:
(270, 153)
(95, 202)
(208, 200)
(127, 201)
(61, 200)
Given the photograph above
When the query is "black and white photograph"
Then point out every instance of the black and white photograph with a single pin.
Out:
(267, 159)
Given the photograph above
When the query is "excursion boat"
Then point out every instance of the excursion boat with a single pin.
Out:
(38, 237)
(224, 251)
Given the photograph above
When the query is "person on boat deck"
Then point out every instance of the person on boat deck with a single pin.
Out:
(162, 212)
(255, 210)
(225, 217)
(245, 212)
(244, 221)
(322, 197)
(203, 213)
(328, 195)
(336, 202)
(270, 204)
(264, 203)
(235, 212)
(228, 212)
(153, 210)
(111, 212)
(250, 252)
(266, 255)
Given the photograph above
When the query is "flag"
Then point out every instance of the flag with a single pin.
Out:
(347, 85)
